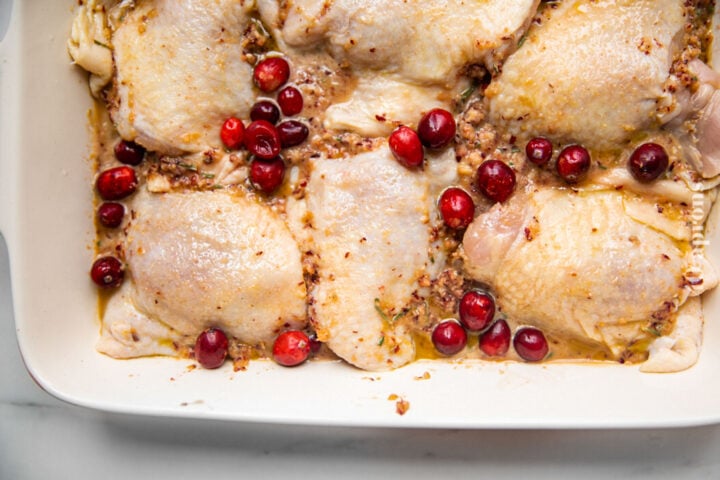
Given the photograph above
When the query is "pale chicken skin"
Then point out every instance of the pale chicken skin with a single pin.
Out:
(211, 259)
(372, 241)
(405, 55)
(424, 42)
(180, 73)
(581, 266)
(607, 84)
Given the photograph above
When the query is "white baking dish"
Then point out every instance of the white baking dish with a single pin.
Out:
(46, 218)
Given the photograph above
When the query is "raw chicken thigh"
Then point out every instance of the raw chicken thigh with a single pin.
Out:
(424, 42)
(180, 72)
(372, 240)
(582, 265)
(400, 51)
(212, 259)
(592, 74)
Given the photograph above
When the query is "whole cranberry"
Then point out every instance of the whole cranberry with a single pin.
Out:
(476, 311)
(405, 146)
(129, 153)
(110, 214)
(530, 344)
(271, 73)
(232, 133)
(116, 183)
(648, 162)
(495, 341)
(573, 163)
(495, 180)
(290, 100)
(262, 140)
(457, 208)
(539, 151)
(292, 133)
(267, 175)
(211, 348)
(265, 110)
(291, 348)
(449, 337)
(107, 272)
(436, 128)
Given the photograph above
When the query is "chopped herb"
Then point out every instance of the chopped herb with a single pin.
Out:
(398, 316)
(216, 187)
(515, 149)
(188, 166)
(380, 311)
(465, 94)
(652, 331)
(601, 166)
(522, 40)
(208, 175)
(549, 356)
(101, 44)
(381, 341)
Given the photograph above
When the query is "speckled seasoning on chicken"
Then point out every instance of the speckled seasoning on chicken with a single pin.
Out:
(384, 182)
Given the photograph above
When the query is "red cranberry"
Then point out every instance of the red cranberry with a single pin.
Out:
(476, 310)
(573, 163)
(496, 180)
(232, 133)
(262, 140)
(110, 214)
(405, 146)
(530, 344)
(539, 151)
(292, 133)
(457, 208)
(116, 183)
(436, 128)
(648, 162)
(290, 100)
(129, 153)
(291, 348)
(267, 176)
(449, 337)
(271, 73)
(211, 348)
(107, 272)
(496, 340)
(265, 110)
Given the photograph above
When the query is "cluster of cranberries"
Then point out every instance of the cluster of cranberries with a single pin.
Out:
(112, 185)
(477, 312)
(264, 137)
(647, 162)
(291, 348)
(436, 129)
(573, 161)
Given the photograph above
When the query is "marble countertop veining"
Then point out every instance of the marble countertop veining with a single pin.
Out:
(42, 437)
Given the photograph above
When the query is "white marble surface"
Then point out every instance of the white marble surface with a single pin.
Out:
(43, 438)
